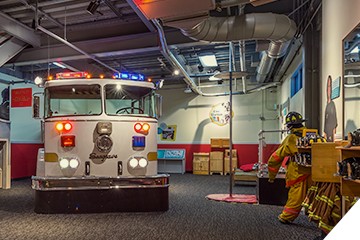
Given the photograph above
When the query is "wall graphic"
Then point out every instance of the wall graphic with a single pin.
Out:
(168, 133)
(21, 97)
(330, 121)
(220, 113)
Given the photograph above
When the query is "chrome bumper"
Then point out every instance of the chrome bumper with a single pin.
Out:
(92, 183)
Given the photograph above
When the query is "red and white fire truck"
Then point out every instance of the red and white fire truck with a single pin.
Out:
(100, 146)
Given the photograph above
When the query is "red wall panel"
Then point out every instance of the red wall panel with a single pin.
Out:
(23, 159)
(247, 153)
(23, 156)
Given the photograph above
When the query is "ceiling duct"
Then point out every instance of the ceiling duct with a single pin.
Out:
(196, 23)
(279, 29)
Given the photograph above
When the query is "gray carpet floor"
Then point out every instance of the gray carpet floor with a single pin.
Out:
(191, 216)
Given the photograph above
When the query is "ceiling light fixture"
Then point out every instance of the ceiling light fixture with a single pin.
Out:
(93, 5)
(59, 65)
(187, 89)
(208, 61)
(176, 72)
(355, 50)
(38, 80)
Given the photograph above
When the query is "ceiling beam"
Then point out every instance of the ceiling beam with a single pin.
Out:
(19, 30)
(42, 13)
(10, 48)
(147, 23)
(106, 47)
(113, 8)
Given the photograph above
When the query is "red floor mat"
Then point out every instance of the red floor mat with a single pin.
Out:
(237, 198)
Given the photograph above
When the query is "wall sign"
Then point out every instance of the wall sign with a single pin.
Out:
(169, 133)
(220, 114)
(21, 97)
(171, 153)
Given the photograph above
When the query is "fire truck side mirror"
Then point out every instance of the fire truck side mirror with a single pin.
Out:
(36, 107)
(158, 106)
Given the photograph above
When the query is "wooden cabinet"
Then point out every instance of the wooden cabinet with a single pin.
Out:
(201, 163)
(227, 164)
(350, 187)
(324, 157)
(216, 162)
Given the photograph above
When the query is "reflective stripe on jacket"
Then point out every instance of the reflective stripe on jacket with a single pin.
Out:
(286, 148)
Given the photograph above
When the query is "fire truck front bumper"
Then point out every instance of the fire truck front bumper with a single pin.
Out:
(101, 194)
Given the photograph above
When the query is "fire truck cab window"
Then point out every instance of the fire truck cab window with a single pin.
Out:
(73, 100)
(128, 100)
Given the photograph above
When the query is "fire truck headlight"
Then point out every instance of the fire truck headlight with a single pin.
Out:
(133, 162)
(104, 143)
(143, 162)
(74, 163)
(64, 163)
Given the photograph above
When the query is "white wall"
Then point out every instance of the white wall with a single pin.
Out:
(25, 129)
(190, 112)
(339, 18)
(297, 101)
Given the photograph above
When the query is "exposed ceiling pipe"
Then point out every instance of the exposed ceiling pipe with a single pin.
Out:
(172, 59)
(242, 63)
(51, 34)
(188, 80)
(279, 29)
(231, 3)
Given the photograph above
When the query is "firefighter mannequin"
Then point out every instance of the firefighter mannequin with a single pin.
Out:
(298, 178)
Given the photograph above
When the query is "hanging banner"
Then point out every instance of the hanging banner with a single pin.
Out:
(220, 114)
(21, 97)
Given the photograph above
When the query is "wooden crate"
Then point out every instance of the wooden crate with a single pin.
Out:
(201, 163)
(227, 164)
(216, 166)
(220, 142)
(216, 155)
(216, 162)
(324, 158)
(227, 153)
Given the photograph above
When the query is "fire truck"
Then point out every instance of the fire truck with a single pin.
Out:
(100, 145)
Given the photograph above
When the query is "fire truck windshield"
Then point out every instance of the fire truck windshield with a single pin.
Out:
(70, 100)
(124, 99)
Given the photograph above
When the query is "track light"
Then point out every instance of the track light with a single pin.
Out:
(93, 5)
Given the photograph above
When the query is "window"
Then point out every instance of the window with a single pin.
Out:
(72, 100)
(296, 81)
(128, 100)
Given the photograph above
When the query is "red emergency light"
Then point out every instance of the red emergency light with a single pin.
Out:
(68, 141)
(60, 126)
(69, 75)
(142, 128)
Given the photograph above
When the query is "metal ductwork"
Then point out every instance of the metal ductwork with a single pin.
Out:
(279, 29)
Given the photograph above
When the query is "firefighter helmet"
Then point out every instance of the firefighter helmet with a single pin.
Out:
(293, 118)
